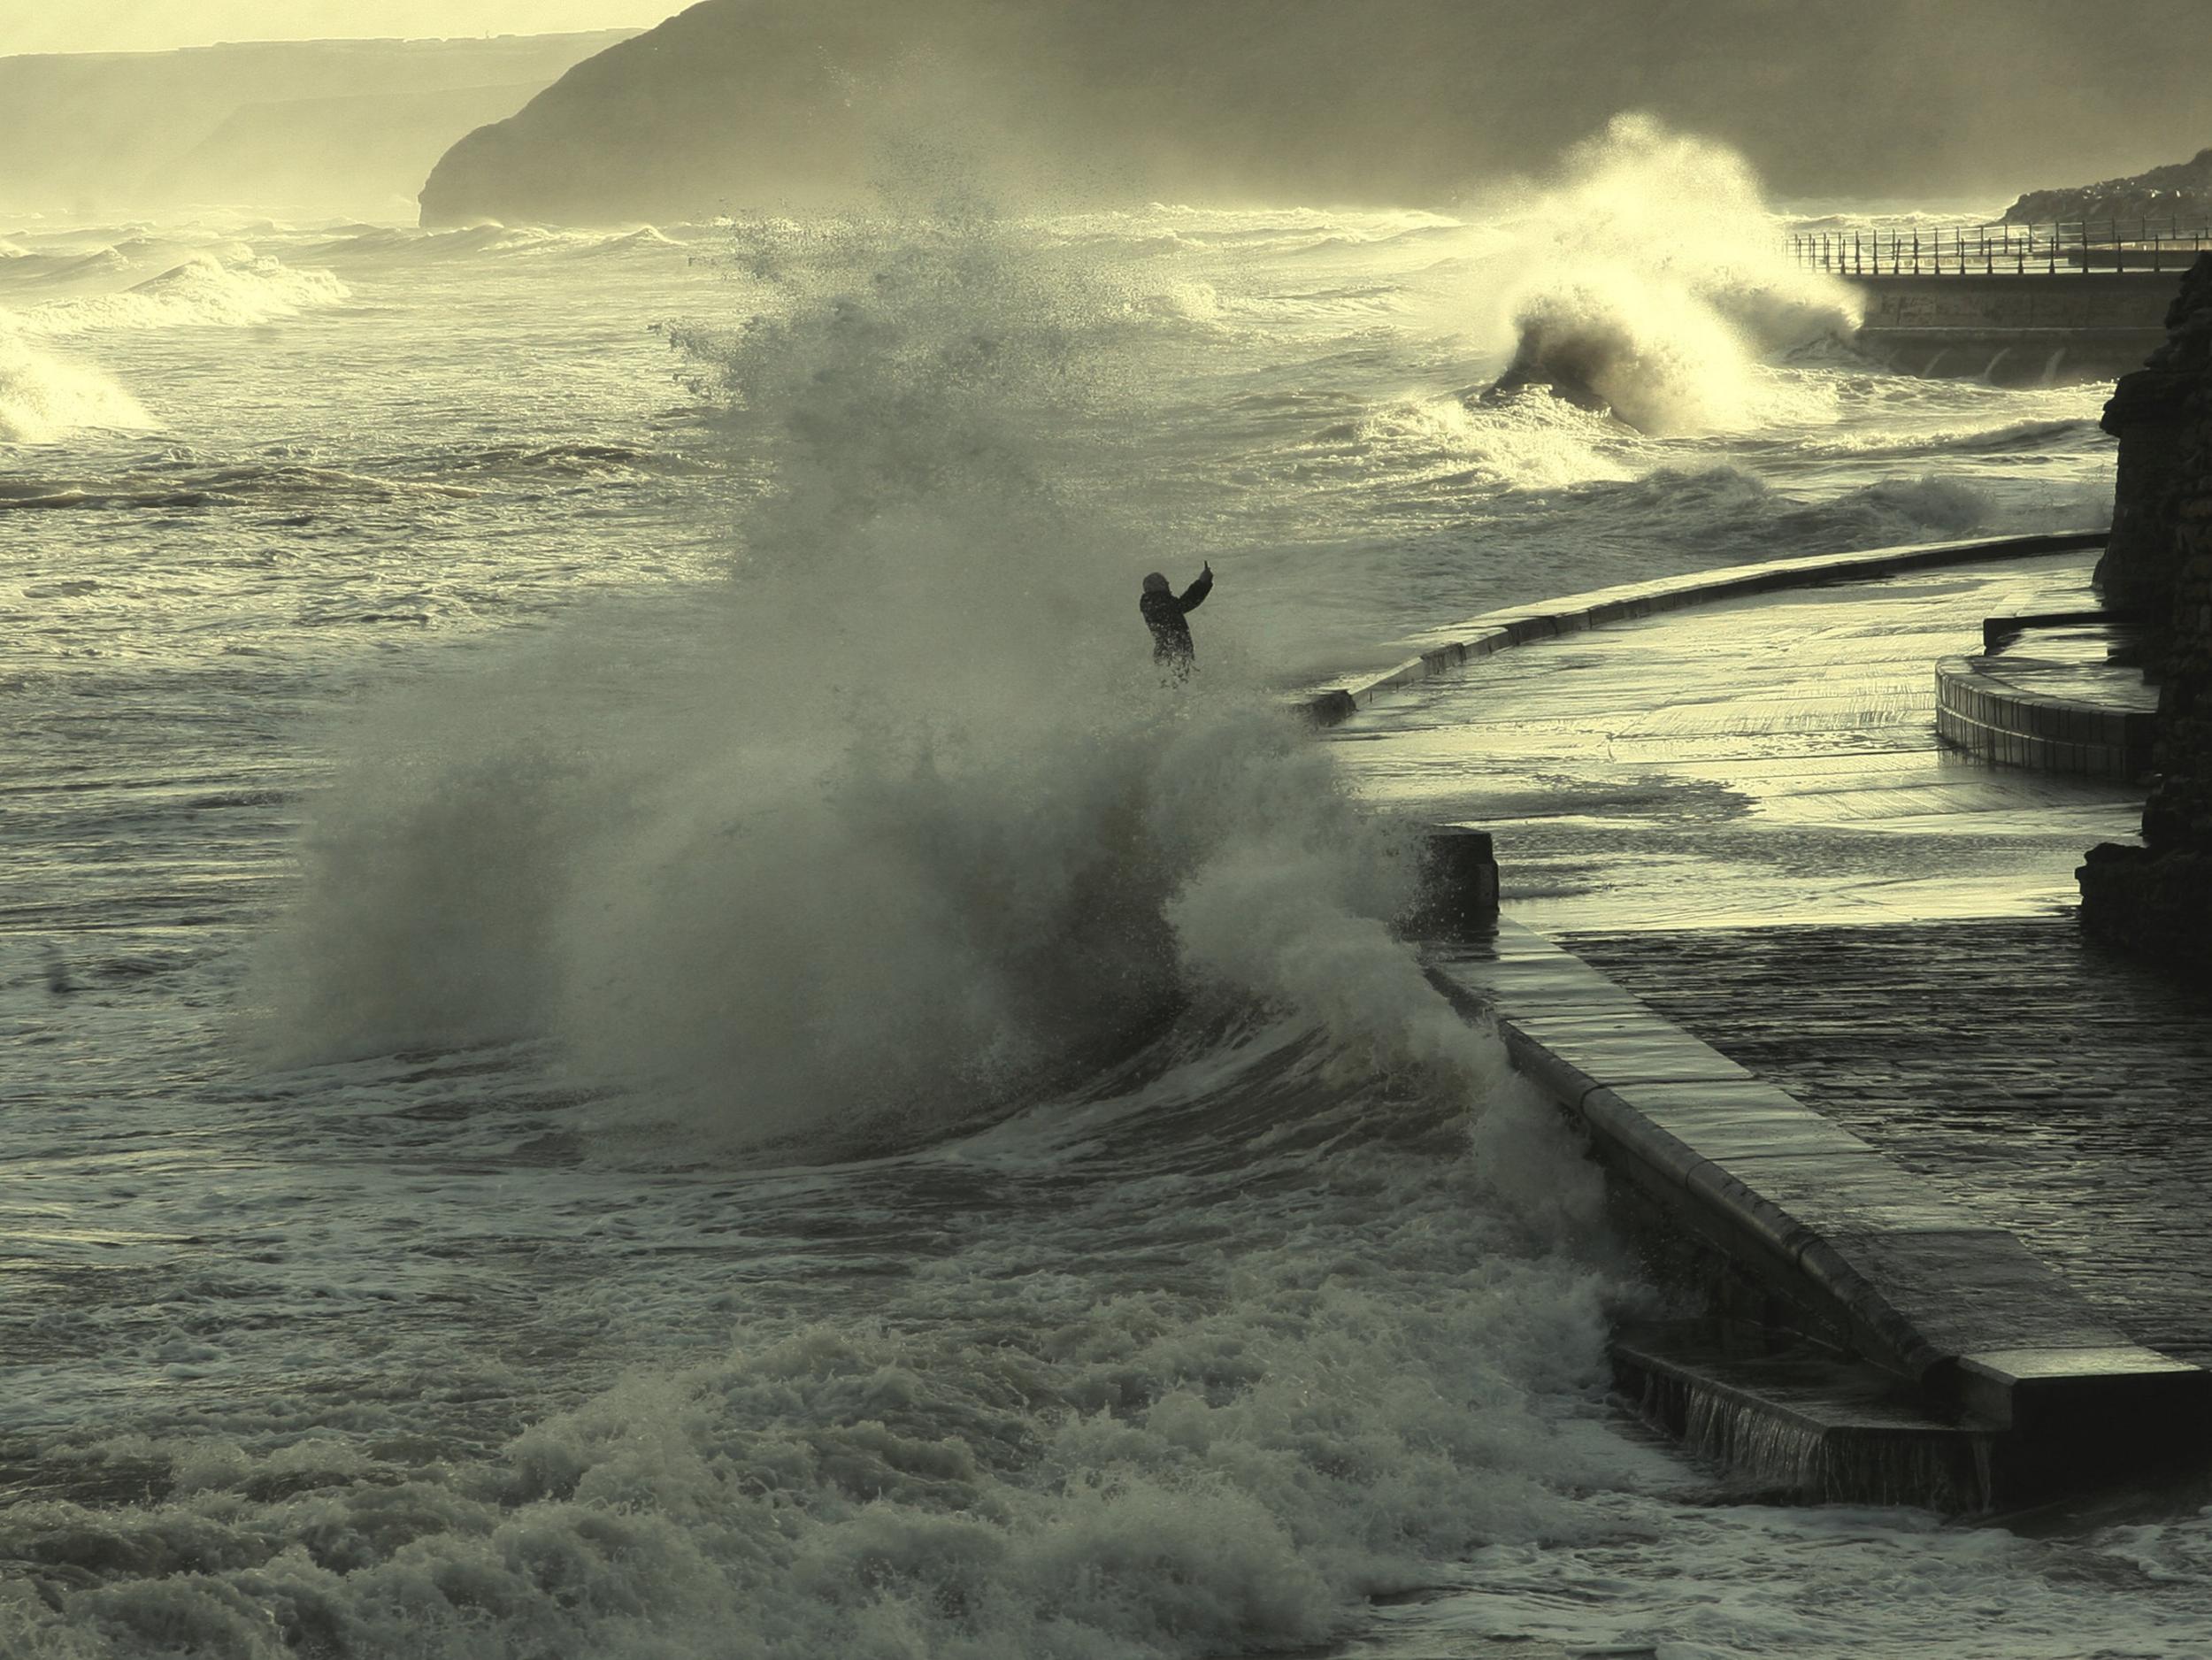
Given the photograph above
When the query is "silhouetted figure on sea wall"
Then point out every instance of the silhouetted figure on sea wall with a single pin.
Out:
(1164, 613)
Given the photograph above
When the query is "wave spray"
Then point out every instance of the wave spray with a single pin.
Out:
(898, 822)
(1655, 281)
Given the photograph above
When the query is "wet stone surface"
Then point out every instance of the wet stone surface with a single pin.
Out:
(1763, 759)
(2057, 1091)
(2074, 662)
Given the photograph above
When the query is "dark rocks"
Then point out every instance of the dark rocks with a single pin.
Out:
(2157, 898)
(2158, 413)
(2144, 413)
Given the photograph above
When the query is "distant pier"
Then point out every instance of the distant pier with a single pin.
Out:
(2018, 304)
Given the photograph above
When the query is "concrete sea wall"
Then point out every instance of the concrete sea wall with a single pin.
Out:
(1863, 1336)
(2016, 328)
(2004, 1386)
(1494, 630)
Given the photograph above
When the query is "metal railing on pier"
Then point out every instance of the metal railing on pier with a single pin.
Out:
(2048, 249)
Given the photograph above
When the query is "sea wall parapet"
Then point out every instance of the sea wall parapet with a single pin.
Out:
(1496, 631)
(2013, 328)
(1875, 1262)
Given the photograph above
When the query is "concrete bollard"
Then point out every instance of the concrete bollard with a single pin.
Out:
(1330, 709)
(1459, 884)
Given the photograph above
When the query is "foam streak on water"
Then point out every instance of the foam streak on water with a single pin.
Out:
(637, 1029)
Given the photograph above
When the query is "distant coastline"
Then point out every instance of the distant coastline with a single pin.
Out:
(782, 106)
(346, 126)
(2180, 192)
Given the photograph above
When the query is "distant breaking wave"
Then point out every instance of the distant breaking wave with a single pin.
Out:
(391, 244)
(1656, 282)
(207, 290)
(460, 473)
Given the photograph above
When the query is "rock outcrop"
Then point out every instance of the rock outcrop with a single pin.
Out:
(2157, 898)
(757, 105)
(2177, 196)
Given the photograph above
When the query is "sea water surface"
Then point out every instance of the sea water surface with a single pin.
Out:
(635, 1027)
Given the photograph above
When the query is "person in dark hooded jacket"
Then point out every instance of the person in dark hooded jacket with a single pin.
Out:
(1164, 613)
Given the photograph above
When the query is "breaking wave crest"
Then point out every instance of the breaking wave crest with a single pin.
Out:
(207, 290)
(882, 833)
(44, 395)
(1654, 281)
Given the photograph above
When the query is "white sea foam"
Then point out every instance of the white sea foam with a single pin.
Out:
(42, 395)
(1651, 279)
(1524, 442)
(233, 289)
(1041, 1455)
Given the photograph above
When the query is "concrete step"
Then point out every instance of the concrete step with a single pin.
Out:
(1800, 1423)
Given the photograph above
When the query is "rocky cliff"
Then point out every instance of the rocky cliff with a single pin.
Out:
(2179, 195)
(2157, 898)
(765, 103)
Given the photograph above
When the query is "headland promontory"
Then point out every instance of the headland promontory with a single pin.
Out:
(769, 105)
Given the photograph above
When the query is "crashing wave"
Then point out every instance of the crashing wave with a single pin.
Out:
(1664, 289)
(207, 290)
(905, 900)
(42, 397)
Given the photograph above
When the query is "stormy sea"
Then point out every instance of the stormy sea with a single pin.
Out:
(636, 1026)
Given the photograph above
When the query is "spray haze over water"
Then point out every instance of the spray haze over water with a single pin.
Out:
(753, 900)
(800, 1102)
(893, 824)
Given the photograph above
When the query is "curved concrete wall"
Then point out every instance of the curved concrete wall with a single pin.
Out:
(1988, 715)
(1494, 630)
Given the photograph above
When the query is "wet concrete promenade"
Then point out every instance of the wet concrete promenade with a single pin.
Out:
(2056, 1091)
(1742, 813)
(1756, 761)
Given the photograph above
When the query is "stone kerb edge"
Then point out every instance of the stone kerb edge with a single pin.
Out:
(1749, 1226)
(1988, 715)
(1497, 630)
(1610, 1061)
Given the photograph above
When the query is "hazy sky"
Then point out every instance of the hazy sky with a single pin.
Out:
(144, 26)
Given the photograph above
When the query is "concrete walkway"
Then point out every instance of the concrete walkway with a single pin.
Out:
(2058, 1091)
(1762, 760)
(1742, 813)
